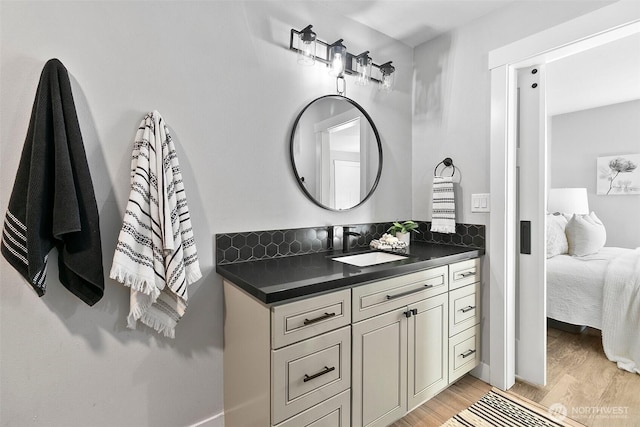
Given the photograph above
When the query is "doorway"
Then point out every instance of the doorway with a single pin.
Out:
(610, 23)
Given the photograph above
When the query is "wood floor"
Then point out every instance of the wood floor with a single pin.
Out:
(579, 376)
(437, 410)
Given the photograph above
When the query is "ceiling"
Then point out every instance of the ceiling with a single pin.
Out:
(604, 75)
(414, 22)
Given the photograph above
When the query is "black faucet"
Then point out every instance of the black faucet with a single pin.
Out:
(346, 232)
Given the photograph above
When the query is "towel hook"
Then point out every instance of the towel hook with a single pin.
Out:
(448, 163)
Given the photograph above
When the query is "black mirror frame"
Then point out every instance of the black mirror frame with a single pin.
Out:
(293, 163)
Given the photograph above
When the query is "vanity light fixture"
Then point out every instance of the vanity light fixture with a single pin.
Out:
(340, 62)
(306, 46)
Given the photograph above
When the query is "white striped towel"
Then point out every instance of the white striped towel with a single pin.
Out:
(443, 214)
(156, 253)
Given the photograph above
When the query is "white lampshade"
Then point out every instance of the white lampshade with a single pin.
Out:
(568, 200)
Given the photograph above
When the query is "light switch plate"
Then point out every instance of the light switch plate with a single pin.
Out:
(480, 202)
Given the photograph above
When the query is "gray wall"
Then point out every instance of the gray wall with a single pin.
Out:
(451, 108)
(221, 74)
(577, 140)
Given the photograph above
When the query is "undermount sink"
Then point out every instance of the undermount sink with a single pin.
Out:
(369, 258)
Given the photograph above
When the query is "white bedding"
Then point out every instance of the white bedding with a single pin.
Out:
(621, 310)
(575, 286)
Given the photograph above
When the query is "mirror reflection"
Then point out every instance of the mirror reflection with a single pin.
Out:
(336, 152)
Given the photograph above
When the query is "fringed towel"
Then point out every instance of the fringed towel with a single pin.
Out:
(52, 202)
(443, 214)
(156, 253)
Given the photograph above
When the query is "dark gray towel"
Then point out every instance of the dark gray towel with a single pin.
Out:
(52, 203)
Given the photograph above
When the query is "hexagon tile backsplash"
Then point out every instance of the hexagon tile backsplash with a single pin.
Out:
(256, 245)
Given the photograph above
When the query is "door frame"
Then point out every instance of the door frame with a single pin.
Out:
(604, 25)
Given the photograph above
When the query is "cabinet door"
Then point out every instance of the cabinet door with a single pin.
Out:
(379, 369)
(428, 347)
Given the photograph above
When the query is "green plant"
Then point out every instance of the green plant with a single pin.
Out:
(404, 227)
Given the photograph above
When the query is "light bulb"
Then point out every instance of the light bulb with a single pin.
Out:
(337, 64)
(337, 58)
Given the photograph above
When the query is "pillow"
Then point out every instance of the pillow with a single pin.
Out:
(586, 234)
(556, 239)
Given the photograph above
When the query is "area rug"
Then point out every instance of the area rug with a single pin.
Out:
(497, 408)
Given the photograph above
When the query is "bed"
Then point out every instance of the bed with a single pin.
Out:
(589, 284)
(575, 286)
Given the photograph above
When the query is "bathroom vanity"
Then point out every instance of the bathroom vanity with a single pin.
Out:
(313, 341)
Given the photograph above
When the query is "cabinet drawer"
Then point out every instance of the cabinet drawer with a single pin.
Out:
(306, 373)
(333, 412)
(464, 273)
(464, 308)
(388, 294)
(303, 319)
(464, 350)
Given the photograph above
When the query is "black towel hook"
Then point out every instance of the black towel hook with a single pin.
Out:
(448, 163)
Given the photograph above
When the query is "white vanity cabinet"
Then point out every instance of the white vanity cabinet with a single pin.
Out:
(464, 317)
(361, 356)
(399, 356)
(287, 365)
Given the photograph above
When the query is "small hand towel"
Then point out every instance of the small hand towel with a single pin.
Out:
(156, 253)
(52, 202)
(443, 214)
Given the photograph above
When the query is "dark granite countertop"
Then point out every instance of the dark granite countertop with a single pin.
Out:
(277, 280)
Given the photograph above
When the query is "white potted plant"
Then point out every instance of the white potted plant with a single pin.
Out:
(402, 230)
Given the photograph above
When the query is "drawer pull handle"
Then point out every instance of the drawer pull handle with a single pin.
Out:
(467, 308)
(467, 274)
(412, 291)
(467, 353)
(318, 319)
(326, 370)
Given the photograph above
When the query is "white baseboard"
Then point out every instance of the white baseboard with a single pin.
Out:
(482, 372)
(216, 420)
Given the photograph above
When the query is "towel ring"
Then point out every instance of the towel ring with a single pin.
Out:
(448, 163)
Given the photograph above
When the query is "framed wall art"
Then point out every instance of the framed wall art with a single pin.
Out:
(618, 175)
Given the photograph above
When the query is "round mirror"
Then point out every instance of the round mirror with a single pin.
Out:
(336, 153)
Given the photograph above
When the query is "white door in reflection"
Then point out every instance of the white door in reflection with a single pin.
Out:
(347, 183)
(344, 163)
